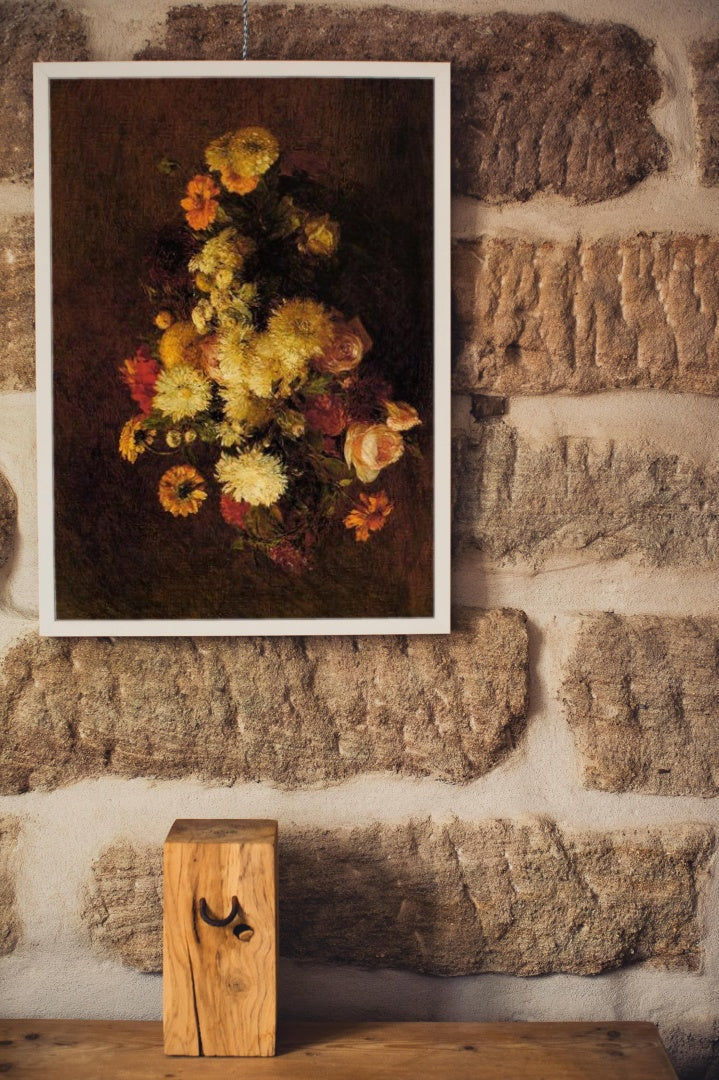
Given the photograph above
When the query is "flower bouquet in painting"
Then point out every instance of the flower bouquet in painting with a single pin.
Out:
(259, 390)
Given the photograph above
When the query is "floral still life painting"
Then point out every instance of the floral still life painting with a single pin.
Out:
(246, 435)
(254, 385)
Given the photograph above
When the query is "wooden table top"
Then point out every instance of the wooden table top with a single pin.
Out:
(120, 1050)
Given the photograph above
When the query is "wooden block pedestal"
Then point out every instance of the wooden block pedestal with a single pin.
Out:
(220, 938)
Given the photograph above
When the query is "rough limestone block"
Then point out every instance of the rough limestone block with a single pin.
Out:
(17, 303)
(642, 698)
(123, 905)
(8, 519)
(638, 311)
(290, 711)
(540, 103)
(521, 897)
(572, 496)
(9, 919)
(692, 1048)
(705, 61)
(29, 33)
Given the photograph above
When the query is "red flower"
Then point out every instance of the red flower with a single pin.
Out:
(233, 512)
(288, 557)
(326, 414)
(139, 373)
(365, 395)
(330, 447)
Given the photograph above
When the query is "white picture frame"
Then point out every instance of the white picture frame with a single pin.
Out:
(68, 618)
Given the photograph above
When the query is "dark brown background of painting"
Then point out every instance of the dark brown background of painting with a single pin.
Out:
(118, 554)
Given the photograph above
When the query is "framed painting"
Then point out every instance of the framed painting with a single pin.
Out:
(243, 339)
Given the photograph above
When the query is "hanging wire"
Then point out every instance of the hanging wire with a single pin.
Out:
(244, 28)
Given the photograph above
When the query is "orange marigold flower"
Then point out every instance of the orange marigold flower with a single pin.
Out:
(182, 491)
(370, 516)
(240, 185)
(200, 206)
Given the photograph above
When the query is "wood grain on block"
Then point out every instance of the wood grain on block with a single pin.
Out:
(74, 1049)
(220, 982)
(536, 317)
(540, 102)
(642, 699)
(290, 711)
(518, 499)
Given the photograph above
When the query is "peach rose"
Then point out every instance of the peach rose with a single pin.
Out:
(344, 354)
(369, 448)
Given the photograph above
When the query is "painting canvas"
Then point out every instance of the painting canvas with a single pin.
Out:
(243, 348)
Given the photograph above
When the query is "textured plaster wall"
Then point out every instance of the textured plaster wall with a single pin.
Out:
(54, 970)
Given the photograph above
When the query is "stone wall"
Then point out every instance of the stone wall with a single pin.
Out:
(533, 795)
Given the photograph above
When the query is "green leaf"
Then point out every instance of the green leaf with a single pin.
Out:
(332, 469)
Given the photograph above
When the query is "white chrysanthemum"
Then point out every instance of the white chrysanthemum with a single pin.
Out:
(247, 361)
(252, 477)
(233, 306)
(234, 344)
(202, 315)
(230, 434)
(182, 392)
(226, 251)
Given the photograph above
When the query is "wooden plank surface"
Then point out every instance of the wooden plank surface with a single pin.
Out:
(219, 986)
(118, 1050)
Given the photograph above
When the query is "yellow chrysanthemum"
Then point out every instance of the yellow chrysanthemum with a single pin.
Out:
(182, 392)
(243, 410)
(294, 368)
(252, 477)
(226, 251)
(181, 490)
(300, 330)
(251, 151)
(134, 439)
(180, 344)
